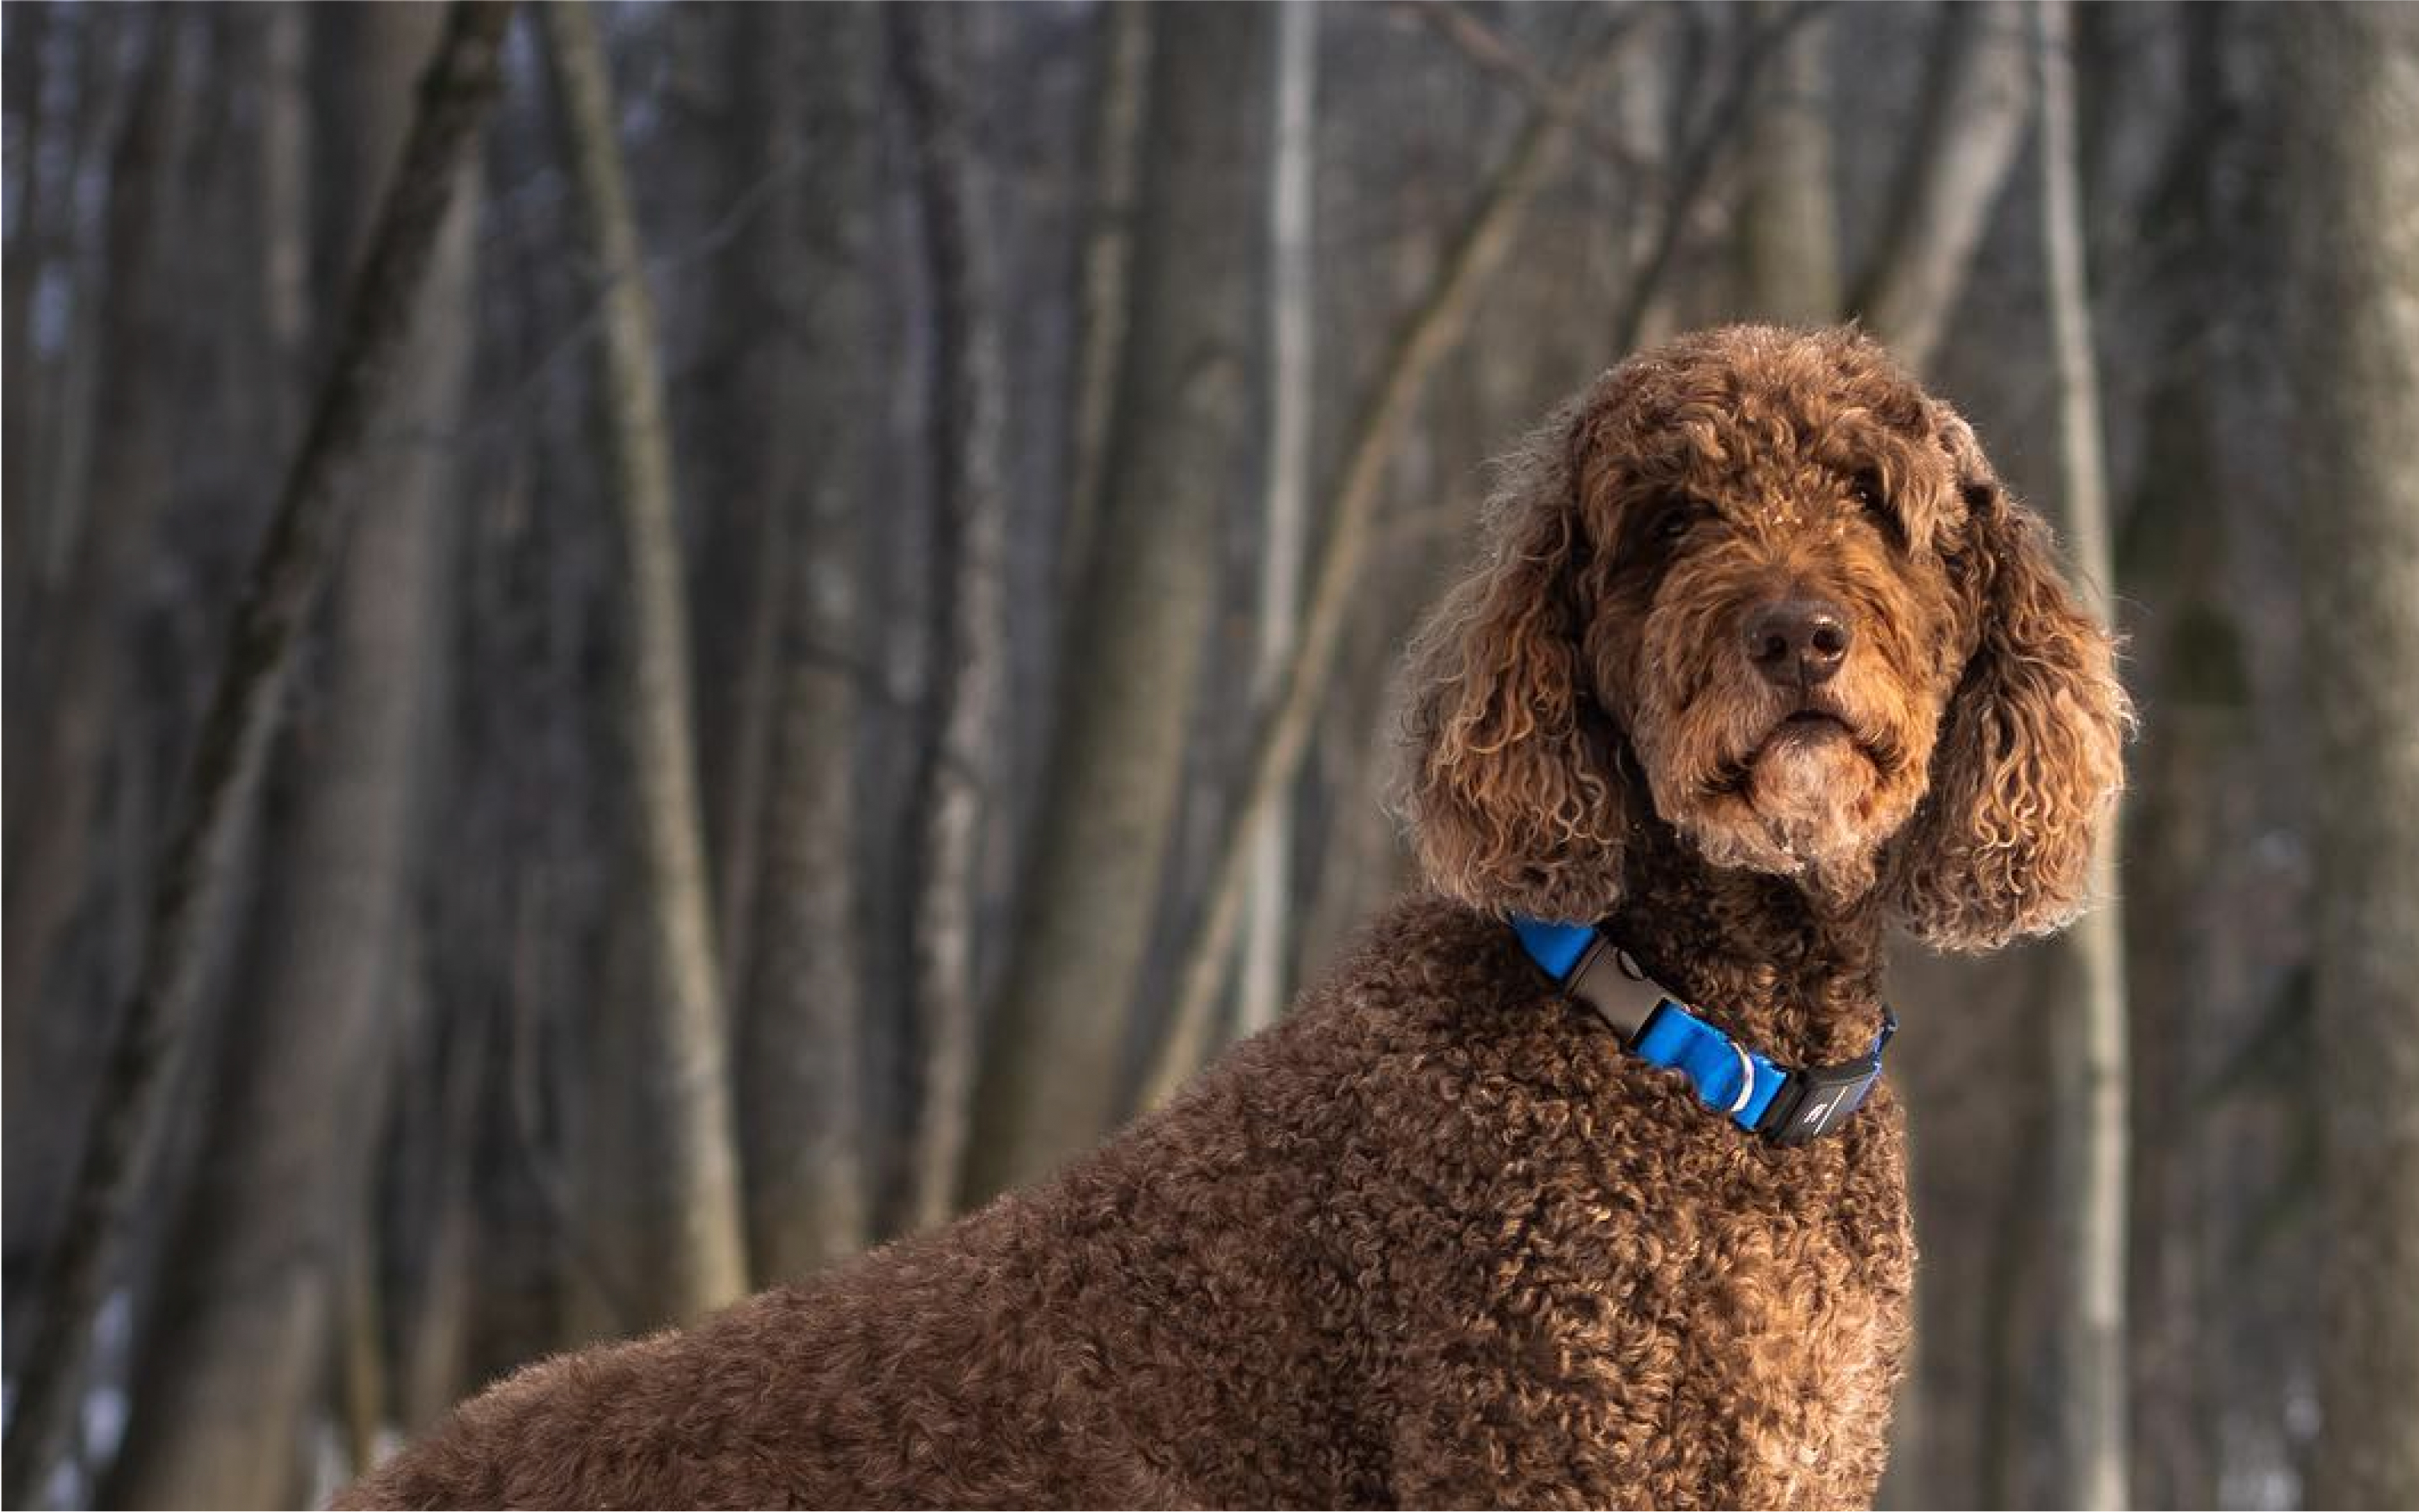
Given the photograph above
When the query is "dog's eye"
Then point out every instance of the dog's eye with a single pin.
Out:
(1866, 488)
(1676, 518)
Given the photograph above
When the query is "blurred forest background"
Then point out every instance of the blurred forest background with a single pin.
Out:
(822, 628)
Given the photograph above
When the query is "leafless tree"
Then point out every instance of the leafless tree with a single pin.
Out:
(685, 1063)
(965, 673)
(189, 894)
(1262, 974)
(1427, 336)
(2353, 332)
(2088, 1120)
(249, 1306)
(807, 276)
(1959, 152)
(1180, 448)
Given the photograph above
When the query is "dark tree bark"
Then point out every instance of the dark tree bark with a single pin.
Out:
(22, 76)
(188, 892)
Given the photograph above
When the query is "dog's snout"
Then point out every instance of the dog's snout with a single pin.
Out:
(1797, 642)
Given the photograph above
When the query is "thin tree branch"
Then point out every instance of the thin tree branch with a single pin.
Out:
(1496, 55)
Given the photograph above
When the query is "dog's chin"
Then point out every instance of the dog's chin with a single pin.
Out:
(1801, 804)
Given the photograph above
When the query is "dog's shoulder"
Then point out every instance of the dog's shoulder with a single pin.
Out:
(1429, 967)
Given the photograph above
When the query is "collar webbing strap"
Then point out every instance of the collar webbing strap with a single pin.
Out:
(1787, 1105)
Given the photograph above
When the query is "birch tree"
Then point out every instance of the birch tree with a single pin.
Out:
(1264, 974)
(1105, 297)
(2088, 1076)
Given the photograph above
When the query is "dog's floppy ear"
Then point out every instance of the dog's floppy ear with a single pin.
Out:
(1510, 790)
(2028, 763)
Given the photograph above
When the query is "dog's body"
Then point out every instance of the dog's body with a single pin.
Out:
(1440, 1239)
(1252, 1299)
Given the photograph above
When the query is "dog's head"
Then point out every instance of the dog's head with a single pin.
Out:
(1758, 585)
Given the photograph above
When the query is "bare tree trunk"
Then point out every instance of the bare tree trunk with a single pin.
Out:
(1789, 238)
(1428, 334)
(965, 598)
(230, 1380)
(1959, 154)
(2087, 1075)
(2189, 778)
(801, 1020)
(2352, 91)
(189, 887)
(1264, 971)
(703, 1258)
(1183, 449)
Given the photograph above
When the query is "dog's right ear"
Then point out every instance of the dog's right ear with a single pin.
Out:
(1509, 789)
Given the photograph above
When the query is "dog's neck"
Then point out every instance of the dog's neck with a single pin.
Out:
(1796, 977)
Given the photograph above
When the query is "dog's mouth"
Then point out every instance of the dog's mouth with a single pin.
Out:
(1807, 723)
(1806, 731)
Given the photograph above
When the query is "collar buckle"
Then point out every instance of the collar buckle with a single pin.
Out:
(1607, 979)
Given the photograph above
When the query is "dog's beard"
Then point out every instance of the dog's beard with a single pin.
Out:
(1754, 790)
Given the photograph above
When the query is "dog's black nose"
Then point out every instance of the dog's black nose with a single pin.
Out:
(1797, 642)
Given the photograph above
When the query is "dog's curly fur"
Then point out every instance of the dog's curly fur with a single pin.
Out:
(1436, 1240)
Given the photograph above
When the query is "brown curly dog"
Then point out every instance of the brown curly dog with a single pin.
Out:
(1762, 657)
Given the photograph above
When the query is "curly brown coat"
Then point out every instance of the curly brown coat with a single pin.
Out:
(1436, 1240)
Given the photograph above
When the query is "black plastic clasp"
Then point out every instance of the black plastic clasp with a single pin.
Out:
(1608, 980)
(1818, 1101)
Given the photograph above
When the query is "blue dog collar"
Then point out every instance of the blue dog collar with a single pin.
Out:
(1787, 1105)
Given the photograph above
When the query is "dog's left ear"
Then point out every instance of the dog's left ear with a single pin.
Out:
(2028, 763)
(1511, 791)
